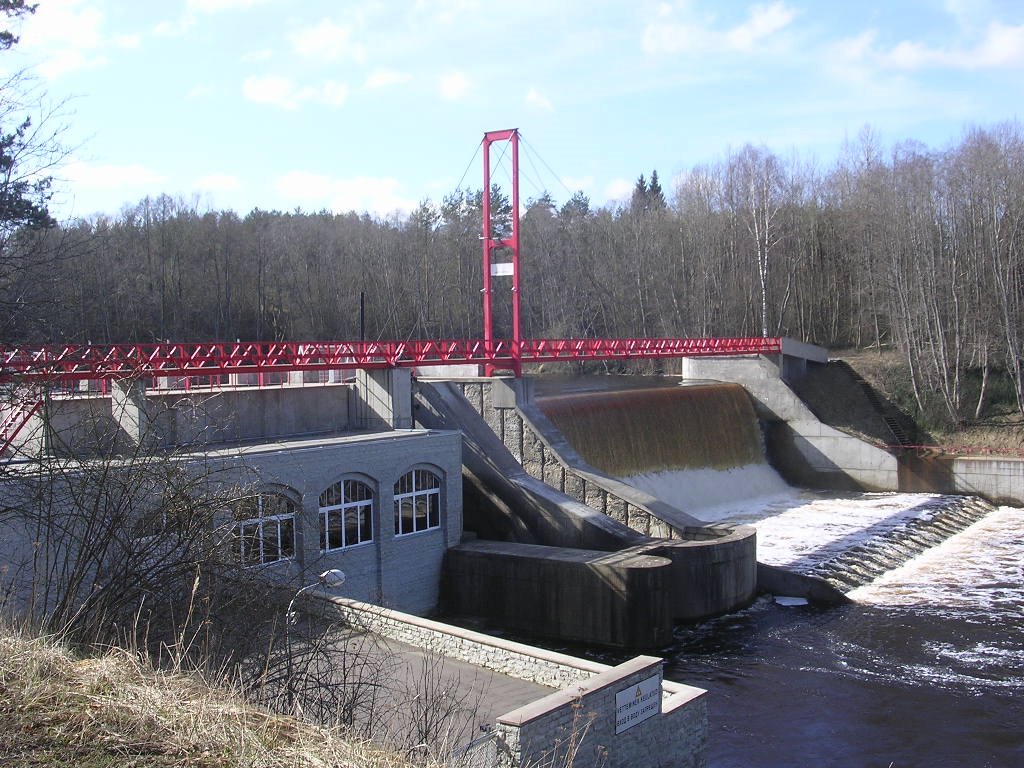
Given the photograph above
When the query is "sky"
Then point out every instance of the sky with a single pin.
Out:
(375, 106)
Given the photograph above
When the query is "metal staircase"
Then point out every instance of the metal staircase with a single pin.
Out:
(14, 421)
(900, 436)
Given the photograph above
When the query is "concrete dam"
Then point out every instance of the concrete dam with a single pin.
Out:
(607, 515)
(602, 512)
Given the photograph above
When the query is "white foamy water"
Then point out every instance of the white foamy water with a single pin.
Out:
(794, 527)
(980, 568)
(706, 493)
(807, 531)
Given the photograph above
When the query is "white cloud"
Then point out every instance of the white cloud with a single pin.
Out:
(383, 78)
(283, 92)
(454, 85)
(1000, 47)
(763, 22)
(668, 35)
(535, 98)
(68, 35)
(217, 182)
(312, 191)
(107, 176)
(619, 190)
(327, 41)
(195, 7)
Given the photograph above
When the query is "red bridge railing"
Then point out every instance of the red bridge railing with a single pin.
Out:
(78, 362)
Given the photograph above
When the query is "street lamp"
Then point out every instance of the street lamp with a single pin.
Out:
(331, 579)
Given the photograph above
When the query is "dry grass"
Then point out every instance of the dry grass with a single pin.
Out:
(1001, 430)
(59, 709)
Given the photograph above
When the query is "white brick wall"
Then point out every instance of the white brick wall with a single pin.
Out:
(402, 572)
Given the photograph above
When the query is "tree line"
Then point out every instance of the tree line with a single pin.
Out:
(913, 247)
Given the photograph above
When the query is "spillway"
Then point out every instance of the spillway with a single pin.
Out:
(699, 448)
(696, 447)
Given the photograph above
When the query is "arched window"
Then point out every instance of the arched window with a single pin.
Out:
(417, 502)
(346, 515)
(265, 529)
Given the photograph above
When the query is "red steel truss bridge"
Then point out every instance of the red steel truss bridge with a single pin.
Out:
(28, 371)
(82, 362)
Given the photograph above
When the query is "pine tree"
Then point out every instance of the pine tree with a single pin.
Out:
(655, 197)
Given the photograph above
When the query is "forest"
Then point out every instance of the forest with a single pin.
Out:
(910, 247)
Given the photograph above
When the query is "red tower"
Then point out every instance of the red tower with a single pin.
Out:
(492, 269)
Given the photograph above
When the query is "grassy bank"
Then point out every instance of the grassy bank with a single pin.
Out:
(1000, 428)
(60, 708)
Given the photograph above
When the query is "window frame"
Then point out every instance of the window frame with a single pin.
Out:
(343, 508)
(409, 494)
(260, 525)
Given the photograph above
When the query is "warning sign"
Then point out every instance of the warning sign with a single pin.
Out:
(637, 703)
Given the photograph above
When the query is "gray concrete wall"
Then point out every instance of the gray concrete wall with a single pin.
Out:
(1000, 480)
(805, 450)
(384, 399)
(91, 423)
(997, 479)
(615, 599)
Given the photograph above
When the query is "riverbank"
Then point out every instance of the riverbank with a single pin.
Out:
(66, 709)
(839, 400)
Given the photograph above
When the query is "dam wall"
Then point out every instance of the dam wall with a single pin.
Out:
(805, 450)
(504, 405)
(810, 453)
(88, 423)
(713, 566)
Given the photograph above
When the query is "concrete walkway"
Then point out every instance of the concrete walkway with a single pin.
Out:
(416, 700)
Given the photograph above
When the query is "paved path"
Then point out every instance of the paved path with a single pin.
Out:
(408, 696)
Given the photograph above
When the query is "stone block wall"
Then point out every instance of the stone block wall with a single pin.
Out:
(578, 725)
(523, 662)
(495, 401)
(581, 715)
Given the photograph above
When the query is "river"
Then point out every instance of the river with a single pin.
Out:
(925, 668)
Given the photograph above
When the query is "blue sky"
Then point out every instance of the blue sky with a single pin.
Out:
(374, 106)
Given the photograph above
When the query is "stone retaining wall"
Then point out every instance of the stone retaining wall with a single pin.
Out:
(518, 660)
(586, 726)
(580, 716)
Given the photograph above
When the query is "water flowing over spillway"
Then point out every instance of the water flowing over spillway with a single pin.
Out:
(640, 431)
(924, 667)
(851, 540)
(695, 447)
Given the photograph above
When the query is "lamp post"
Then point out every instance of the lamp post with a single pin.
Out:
(330, 579)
